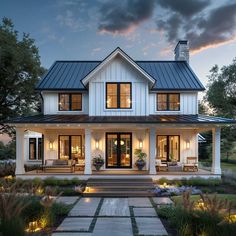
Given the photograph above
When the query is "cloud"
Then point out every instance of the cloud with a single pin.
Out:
(122, 17)
(204, 28)
(185, 8)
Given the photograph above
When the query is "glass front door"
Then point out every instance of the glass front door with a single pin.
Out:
(118, 150)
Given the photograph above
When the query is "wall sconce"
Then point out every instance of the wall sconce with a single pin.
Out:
(97, 144)
(51, 145)
(140, 144)
(187, 144)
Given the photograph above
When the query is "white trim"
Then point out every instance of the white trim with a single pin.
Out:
(118, 51)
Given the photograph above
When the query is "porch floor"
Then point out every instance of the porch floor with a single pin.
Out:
(119, 173)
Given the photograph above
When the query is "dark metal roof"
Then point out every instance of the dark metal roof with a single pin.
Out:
(152, 119)
(169, 75)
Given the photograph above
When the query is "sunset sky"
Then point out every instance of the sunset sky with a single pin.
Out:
(145, 29)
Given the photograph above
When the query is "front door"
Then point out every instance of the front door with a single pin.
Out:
(118, 150)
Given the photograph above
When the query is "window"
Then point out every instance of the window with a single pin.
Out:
(70, 102)
(168, 102)
(35, 149)
(70, 147)
(118, 96)
(168, 147)
(32, 148)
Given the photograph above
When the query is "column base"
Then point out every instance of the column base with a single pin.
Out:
(152, 172)
(216, 171)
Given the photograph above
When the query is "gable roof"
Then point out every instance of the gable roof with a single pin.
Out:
(163, 75)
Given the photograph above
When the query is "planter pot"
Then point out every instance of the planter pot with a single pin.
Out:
(140, 164)
(98, 166)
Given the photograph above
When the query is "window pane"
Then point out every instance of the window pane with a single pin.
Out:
(40, 149)
(174, 148)
(174, 103)
(76, 102)
(64, 102)
(64, 147)
(125, 96)
(162, 148)
(76, 147)
(32, 148)
(112, 159)
(125, 150)
(111, 96)
(161, 102)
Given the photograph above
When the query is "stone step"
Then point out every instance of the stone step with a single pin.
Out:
(119, 194)
(89, 184)
(121, 187)
(143, 180)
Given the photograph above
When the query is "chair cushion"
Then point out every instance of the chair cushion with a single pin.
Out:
(60, 162)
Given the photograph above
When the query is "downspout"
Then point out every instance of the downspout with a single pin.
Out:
(42, 111)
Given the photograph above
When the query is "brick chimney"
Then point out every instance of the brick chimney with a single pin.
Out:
(182, 51)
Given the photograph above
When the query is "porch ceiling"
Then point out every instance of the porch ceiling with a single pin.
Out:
(151, 119)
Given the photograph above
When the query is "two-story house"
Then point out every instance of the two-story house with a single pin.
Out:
(115, 106)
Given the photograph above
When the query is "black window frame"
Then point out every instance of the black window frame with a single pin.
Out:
(35, 149)
(167, 101)
(70, 101)
(118, 152)
(168, 145)
(59, 148)
(40, 148)
(118, 95)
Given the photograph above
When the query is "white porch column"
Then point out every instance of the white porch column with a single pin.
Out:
(88, 168)
(152, 151)
(215, 169)
(20, 169)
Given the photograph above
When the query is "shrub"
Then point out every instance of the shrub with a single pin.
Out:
(51, 181)
(7, 168)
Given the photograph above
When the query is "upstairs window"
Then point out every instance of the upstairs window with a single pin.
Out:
(70, 102)
(168, 102)
(118, 96)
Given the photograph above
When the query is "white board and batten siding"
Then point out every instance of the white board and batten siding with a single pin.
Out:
(188, 104)
(118, 71)
(50, 101)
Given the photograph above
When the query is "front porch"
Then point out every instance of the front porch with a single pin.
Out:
(116, 144)
(110, 174)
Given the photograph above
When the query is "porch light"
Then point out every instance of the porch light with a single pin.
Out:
(187, 144)
(97, 144)
(140, 144)
(51, 145)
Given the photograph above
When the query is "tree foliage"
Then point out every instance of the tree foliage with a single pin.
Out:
(221, 98)
(20, 70)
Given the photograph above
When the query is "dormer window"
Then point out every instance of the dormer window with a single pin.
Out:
(118, 96)
(70, 102)
(168, 102)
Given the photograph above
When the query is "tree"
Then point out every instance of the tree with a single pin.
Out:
(221, 93)
(221, 98)
(20, 70)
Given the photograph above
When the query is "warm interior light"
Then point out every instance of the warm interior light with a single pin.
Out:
(187, 145)
(51, 145)
(97, 145)
(121, 142)
(140, 144)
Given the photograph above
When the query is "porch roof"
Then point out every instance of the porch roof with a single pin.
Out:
(151, 119)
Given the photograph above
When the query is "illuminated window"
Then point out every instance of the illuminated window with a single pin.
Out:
(118, 96)
(168, 102)
(168, 147)
(35, 149)
(70, 102)
(70, 147)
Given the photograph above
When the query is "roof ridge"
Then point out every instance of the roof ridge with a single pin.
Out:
(134, 61)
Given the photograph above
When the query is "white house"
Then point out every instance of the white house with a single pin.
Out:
(115, 106)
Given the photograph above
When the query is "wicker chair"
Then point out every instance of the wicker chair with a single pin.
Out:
(191, 164)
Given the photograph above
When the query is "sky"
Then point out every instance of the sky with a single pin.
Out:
(144, 29)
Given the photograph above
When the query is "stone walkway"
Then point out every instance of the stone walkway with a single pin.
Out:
(113, 216)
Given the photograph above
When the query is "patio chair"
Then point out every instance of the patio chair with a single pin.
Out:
(161, 166)
(191, 164)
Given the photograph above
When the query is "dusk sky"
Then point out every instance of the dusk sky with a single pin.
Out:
(145, 29)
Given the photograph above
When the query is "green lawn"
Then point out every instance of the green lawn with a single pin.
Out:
(231, 197)
(228, 166)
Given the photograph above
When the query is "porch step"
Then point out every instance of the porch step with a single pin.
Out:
(119, 187)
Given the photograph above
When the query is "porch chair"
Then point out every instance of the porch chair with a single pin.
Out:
(161, 166)
(59, 164)
(191, 164)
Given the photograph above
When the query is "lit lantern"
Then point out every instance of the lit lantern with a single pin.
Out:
(97, 144)
(187, 144)
(51, 145)
(140, 144)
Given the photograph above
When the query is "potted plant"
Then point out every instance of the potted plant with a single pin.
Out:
(98, 162)
(140, 163)
(172, 160)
